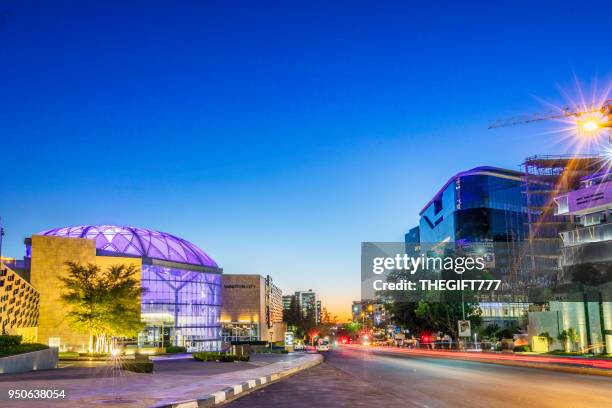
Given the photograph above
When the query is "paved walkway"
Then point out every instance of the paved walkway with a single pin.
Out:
(173, 380)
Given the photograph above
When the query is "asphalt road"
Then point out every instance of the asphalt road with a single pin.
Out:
(351, 378)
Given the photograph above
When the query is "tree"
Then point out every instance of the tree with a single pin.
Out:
(403, 314)
(569, 338)
(327, 317)
(444, 317)
(101, 302)
(548, 337)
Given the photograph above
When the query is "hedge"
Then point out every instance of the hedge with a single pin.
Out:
(229, 358)
(213, 356)
(22, 348)
(525, 348)
(137, 366)
(176, 349)
(9, 341)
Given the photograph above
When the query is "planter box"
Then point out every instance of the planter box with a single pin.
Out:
(36, 360)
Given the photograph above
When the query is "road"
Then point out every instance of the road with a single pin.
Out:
(353, 378)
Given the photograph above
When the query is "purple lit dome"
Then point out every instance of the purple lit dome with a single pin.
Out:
(137, 242)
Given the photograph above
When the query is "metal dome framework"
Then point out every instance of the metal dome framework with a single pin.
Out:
(137, 242)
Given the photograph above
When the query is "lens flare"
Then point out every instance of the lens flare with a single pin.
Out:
(583, 121)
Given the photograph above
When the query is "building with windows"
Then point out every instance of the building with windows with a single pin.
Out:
(18, 305)
(412, 239)
(307, 300)
(586, 265)
(546, 178)
(484, 206)
(287, 299)
(369, 313)
(182, 285)
(252, 309)
(309, 303)
(481, 204)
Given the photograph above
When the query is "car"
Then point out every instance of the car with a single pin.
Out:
(323, 345)
(299, 346)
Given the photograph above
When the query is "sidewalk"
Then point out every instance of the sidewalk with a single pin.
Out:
(173, 381)
(577, 365)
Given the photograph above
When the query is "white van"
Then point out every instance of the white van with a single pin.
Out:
(323, 345)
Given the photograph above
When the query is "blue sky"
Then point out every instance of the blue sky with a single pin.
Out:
(275, 135)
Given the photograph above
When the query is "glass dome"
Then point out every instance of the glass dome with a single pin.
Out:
(137, 242)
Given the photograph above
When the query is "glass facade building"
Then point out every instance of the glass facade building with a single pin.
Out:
(481, 204)
(181, 299)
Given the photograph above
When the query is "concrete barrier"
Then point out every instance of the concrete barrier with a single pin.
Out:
(229, 393)
(35, 360)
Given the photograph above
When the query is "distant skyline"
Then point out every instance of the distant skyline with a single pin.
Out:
(275, 136)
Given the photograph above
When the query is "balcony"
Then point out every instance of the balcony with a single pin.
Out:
(585, 200)
(586, 235)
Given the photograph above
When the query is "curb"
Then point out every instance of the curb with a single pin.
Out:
(542, 366)
(238, 390)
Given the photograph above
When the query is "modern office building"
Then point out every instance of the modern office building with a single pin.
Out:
(546, 178)
(252, 309)
(412, 240)
(182, 298)
(485, 207)
(287, 299)
(586, 264)
(308, 301)
(369, 313)
(481, 204)
(18, 305)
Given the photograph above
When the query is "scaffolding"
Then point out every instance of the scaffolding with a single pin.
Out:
(544, 178)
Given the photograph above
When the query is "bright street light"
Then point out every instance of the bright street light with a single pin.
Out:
(590, 125)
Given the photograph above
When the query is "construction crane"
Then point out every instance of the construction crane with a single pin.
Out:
(588, 120)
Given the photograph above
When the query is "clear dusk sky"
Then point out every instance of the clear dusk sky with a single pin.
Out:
(275, 135)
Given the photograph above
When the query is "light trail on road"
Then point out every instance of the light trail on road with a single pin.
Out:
(475, 356)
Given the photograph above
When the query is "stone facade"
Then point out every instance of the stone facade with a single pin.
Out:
(49, 257)
(18, 305)
(248, 301)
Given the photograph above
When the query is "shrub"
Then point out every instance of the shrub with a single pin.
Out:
(21, 348)
(271, 351)
(9, 341)
(524, 348)
(206, 356)
(137, 366)
(176, 349)
(213, 356)
(251, 342)
(94, 354)
(229, 358)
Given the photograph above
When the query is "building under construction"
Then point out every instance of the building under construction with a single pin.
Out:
(546, 177)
